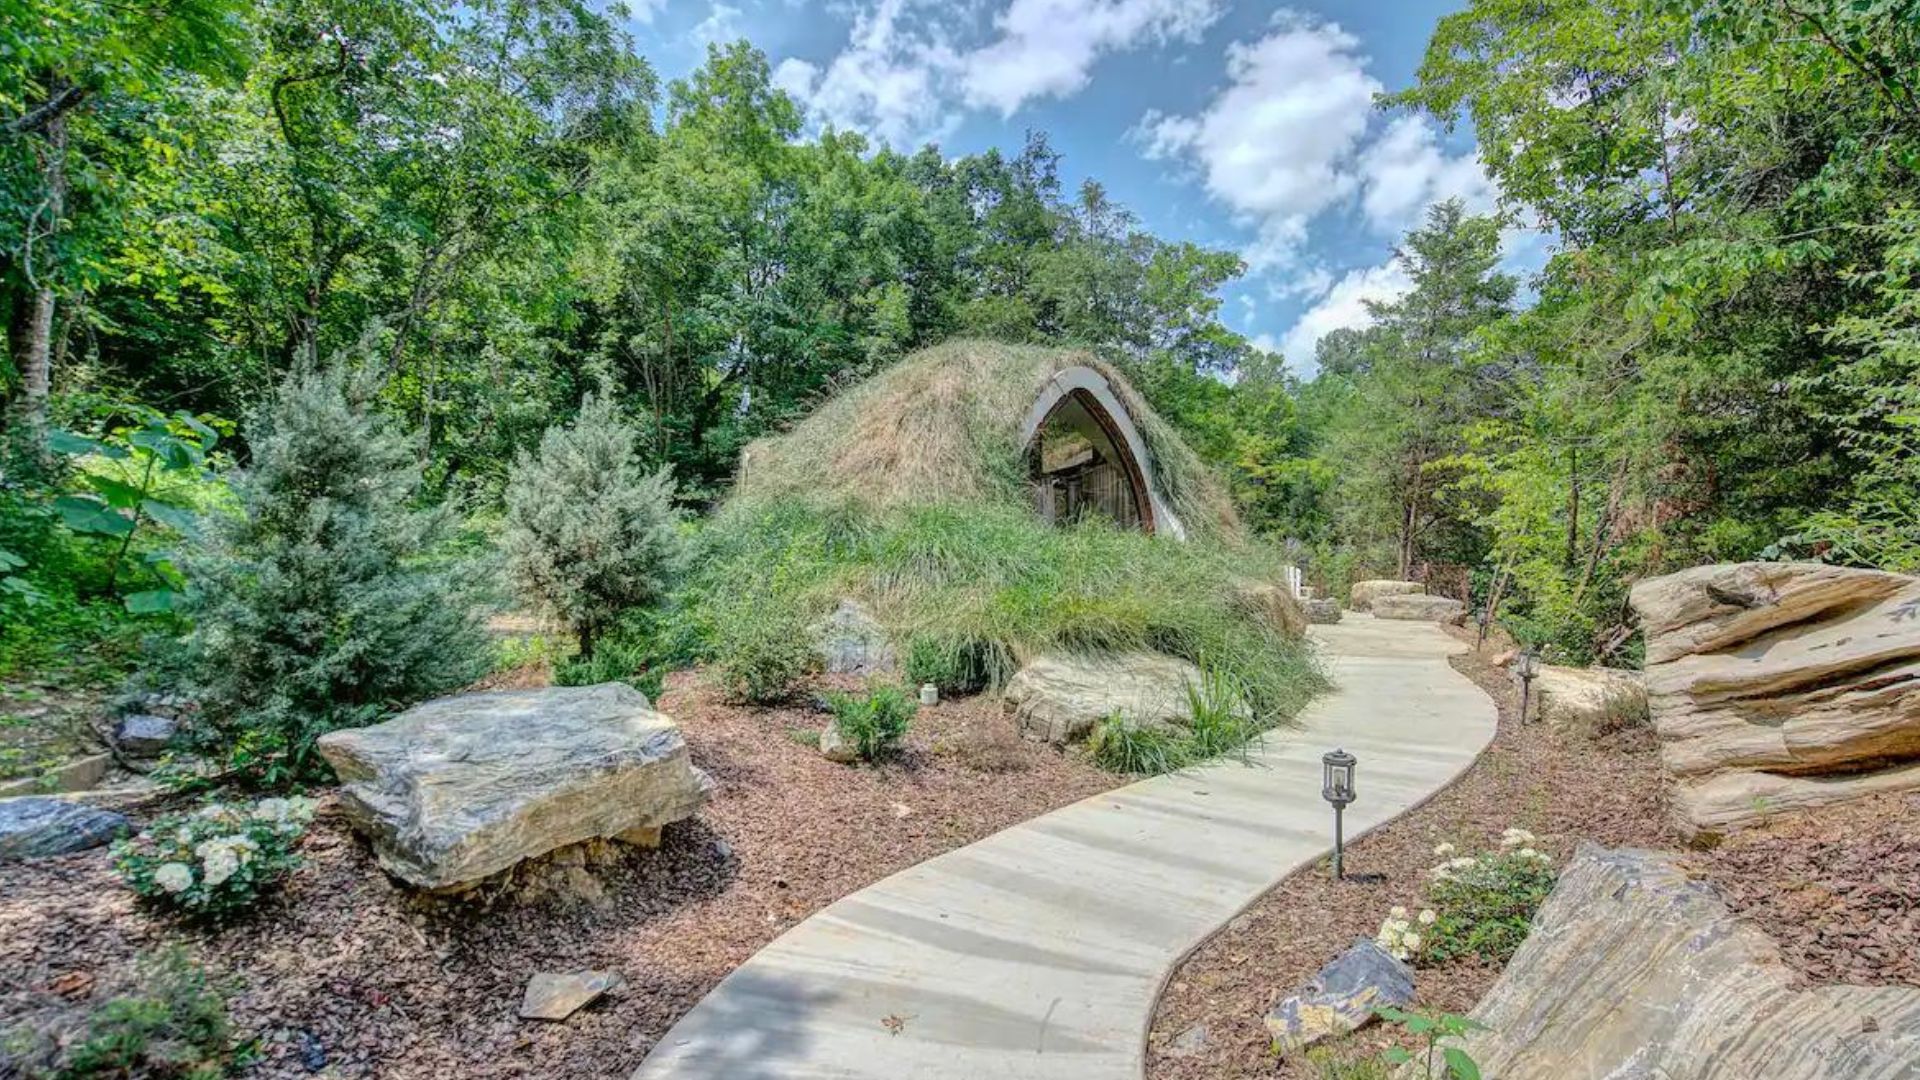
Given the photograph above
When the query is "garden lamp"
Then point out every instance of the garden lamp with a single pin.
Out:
(1337, 788)
(1527, 666)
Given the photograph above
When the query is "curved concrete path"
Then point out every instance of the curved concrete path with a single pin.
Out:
(1039, 952)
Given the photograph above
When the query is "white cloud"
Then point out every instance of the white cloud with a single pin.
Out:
(721, 26)
(906, 77)
(1405, 170)
(1277, 143)
(1344, 306)
(1047, 48)
(643, 11)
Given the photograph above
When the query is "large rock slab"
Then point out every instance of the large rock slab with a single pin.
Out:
(1061, 697)
(32, 827)
(458, 789)
(1588, 700)
(1364, 593)
(1341, 998)
(1636, 970)
(1273, 605)
(851, 641)
(1418, 607)
(1762, 671)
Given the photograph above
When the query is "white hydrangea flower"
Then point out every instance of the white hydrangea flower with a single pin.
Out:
(1513, 838)
(219, 858)
(1411, 941)
(1397, 911)
(1443, 850)
(1427, 916)
(273, 809)
(173, 877)
(1462, 862)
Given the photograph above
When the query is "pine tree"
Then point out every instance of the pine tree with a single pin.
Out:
(325, 602)
(589, 532)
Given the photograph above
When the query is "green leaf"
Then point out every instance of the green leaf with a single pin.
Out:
(10, 561)
(66, 442)
(1459, 1064)
(169, 448)
(178, 518)
(87, 515)
(1397, 1055)
(152, 601)
(119, 494)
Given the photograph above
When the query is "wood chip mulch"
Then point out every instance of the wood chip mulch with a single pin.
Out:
(345, 974)
(1561, 789)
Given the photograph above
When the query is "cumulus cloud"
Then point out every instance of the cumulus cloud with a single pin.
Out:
(1344, 306)
(643, 11)
(1405, 170)
(1047, 48)
(721, 26)
(907, 76)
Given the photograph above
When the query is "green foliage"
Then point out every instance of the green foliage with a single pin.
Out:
(876, 721)
(324, 601)
(1484, 904)
(1125, 746)
(956, 665)
(174, 1026)
(1220, 724)
(217, 861)
(760, 652)
(1330, 1064)
(589, 533)
(639, 650)
(1453, 1063)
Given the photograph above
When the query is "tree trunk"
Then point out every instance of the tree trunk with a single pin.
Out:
(35, 358)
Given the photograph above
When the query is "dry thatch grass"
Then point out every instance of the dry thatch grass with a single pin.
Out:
(943, 426)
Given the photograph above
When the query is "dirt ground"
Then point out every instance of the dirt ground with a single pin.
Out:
(343, 973)
(1840, 891)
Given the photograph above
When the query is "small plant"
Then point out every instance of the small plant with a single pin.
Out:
(218, 860)
(1221, 724)
(761, 655)
(876, 721)
(955, 665)
(1328, 1064)
(1484, 904)
(174, 1027)
(1122, 745)
(1453, 1063)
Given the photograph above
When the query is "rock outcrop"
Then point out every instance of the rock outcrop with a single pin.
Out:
(32, 827)
(1635, 969)
(851, 641)
(1061, 697)
(1364, 593)
(1321, 610)
(458, 789)
(1588, 700)
(1418, 607)
(1777, 686)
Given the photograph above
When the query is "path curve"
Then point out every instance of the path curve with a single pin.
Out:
(1038, 953)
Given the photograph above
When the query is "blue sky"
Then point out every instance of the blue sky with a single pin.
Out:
(1236, 124)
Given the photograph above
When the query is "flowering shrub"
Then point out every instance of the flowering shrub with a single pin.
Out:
(1481, 904)
(215, 860)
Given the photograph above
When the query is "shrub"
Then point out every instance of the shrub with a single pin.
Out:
(217, 860)
(1121, 745)
(174, 1027)
(955, 665)
(323, 603)
(1480, 905)
(589, 533)
(1220, 724)
(876, 721)
(761, 655)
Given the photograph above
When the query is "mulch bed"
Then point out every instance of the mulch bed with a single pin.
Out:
(1562, 789)
(343, 972)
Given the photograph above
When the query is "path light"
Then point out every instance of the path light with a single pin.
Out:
(1527, 666)
(1337, 788)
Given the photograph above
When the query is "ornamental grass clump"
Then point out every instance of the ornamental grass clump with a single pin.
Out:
(218, 860)
(1478, 905)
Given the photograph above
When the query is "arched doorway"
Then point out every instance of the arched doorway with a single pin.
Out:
(1086, 459)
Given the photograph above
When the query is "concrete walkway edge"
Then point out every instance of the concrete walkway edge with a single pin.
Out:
(1039, 953)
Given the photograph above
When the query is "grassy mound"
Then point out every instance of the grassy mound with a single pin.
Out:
(909, 494)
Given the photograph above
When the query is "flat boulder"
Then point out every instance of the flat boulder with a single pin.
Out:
(1341, 998)
(32, 827)
(1418, 607)
(1780, 686)
(1635, 968)
(1588, 700)
(458, 789)
(144, 735)
(1060, 697)
(1364, 593)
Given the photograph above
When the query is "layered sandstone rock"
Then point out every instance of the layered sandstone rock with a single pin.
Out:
(1635, 969)
(1273, 605)
(1777, 686)
(1418, 607)
(1588, 700)
(1061, 697)
(461, 788)
(1364, 593)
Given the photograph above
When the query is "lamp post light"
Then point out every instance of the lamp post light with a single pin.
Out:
(1527, 666)
(1337, 788)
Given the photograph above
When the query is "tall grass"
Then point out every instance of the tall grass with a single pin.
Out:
(972, 590)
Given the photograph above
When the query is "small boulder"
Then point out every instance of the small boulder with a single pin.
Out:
(1364, 593)
(458, 789)
(144, 735)
(852, 642)
(32, 827)
(1341, 998)
(1190, 1043)
(1272, 604)
(1418, 607)
(1060, 697)
(1588, 700)
(835, 746)
(558, 996)
(1323, 611)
